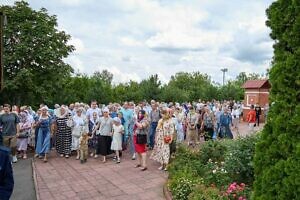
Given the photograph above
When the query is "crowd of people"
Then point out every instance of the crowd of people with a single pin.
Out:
(100, 130)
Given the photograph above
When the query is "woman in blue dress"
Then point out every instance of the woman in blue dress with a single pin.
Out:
(43, 140)
(225, 121)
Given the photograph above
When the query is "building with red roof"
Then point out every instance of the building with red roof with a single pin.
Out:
(256, 93)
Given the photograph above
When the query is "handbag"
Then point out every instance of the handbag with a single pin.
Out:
(167, 139)
(141, 137)
(24, 134)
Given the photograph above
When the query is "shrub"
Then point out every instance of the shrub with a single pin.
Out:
(237, 192)
(213, 150)
(239, 159)
(183, 183)
(216, 174)
(201, 192)
(277, 157)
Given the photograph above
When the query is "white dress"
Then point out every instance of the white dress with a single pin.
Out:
(80, 126)
(117, 137)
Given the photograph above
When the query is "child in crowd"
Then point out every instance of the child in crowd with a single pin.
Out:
(118, 130)
(83, 147)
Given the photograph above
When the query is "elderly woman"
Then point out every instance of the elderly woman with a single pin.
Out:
(79, 126)
(43, 140)
(25, 128)
(140, 131)
(164, 137)
(63, 133)
(105, 133)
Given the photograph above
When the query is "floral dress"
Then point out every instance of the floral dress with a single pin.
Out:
(161, 151)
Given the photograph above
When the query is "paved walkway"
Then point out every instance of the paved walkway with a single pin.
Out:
(24, 185)
(63, 178)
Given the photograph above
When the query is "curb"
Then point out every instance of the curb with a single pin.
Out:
(35, 180)
(167, 193)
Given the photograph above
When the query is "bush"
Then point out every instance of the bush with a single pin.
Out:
(201, 192)
(213, 150)
(206, 172)
(239, 159)
(183, 183)
(277, 157)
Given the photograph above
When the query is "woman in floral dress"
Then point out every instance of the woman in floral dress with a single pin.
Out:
(161, 151)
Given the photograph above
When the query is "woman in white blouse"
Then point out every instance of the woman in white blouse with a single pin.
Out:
(80, 125)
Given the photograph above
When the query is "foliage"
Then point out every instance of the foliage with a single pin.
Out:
(34, 50)
(212, 150)
(277, 157)
(202, 192)
(213, 166)
(183, 184)
(239, 159)
(216, 174)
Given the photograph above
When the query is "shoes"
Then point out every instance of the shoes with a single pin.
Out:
(45, 160)
(118, 161)
(67, 156)
(96, 156)
(77, 158)
(137, 166)
(25, 156)
(14, 159)
(144, 169)
(161, 168)
(133, 157)
(115, 158)
(61, 155)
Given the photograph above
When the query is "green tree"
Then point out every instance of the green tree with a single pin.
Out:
(33, 56)
(150, 88)
(277, 159)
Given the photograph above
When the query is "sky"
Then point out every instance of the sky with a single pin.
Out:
(134, 39)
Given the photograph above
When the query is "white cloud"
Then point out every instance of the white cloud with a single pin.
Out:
(127, 41)
(78, 44)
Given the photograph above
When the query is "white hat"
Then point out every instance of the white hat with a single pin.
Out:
(105, 109)
(117, 119)
(44, 108)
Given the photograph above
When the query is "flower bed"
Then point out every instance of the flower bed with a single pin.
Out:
(215, 170)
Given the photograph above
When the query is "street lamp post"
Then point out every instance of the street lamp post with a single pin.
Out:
(224, 70)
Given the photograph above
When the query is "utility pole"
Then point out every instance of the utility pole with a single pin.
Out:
(2, 23)
(224, 70)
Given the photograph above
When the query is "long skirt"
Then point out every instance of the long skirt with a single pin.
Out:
(104, 144)
(22, 144)
(63, 142)
(180, 133)
(43, 141)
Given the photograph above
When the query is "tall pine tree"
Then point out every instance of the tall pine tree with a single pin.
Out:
(277, 159)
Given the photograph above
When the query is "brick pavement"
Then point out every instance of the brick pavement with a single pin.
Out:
(63, 178)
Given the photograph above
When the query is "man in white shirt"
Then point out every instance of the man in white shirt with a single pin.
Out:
(92, 109)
